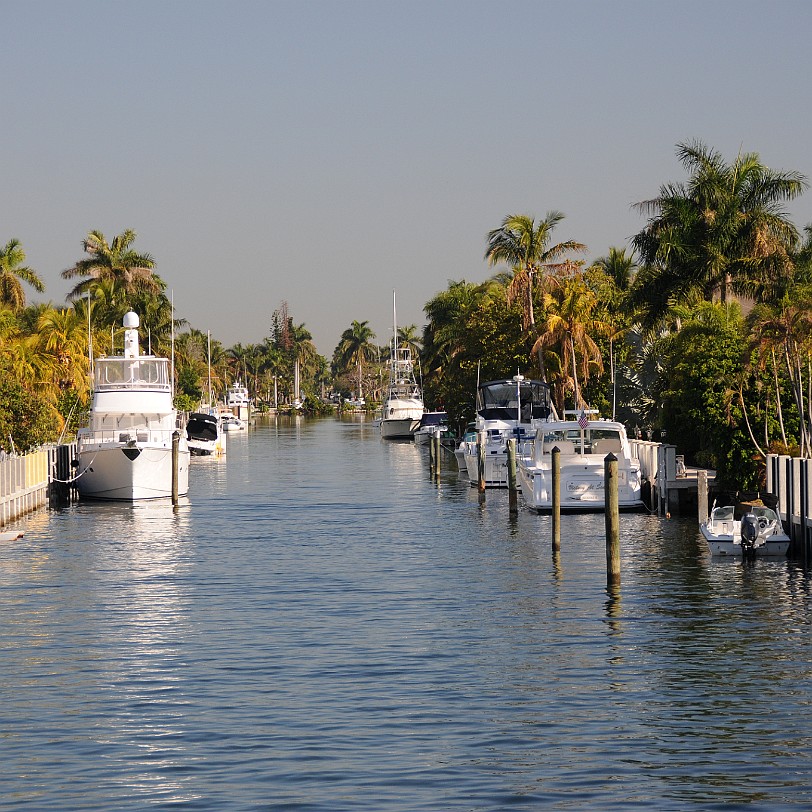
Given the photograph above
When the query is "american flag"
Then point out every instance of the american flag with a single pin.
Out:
(583, 420)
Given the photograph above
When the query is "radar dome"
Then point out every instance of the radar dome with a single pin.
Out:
(131, 320)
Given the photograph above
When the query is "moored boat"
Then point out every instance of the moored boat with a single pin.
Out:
(204, 434)
(583, 443)
(505, 409)
(430, 424)
(125, 452)
(403, 406)
(748, 529)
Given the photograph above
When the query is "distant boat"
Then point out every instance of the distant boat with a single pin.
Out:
(403, 406)
(125, 450)
(583, 442)
(238, 402)
(430, 424)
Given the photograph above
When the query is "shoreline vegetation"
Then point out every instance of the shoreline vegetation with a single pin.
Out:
(699, 331)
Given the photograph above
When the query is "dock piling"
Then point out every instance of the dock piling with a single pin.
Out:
(612, 511)
(555, 457)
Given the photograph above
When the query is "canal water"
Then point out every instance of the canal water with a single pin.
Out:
(320, 627)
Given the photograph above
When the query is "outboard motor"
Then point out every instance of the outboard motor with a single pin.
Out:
(749, 535)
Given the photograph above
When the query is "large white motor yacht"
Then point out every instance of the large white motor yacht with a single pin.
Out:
(125, 451)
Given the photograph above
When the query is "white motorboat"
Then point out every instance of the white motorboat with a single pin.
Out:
(238, 402)
(750, 529)
(583, 442)
(403, 406)
(459, 451)
(125, 451)
(505, 409)
(430, 424)
(230, 422)
(204, 434)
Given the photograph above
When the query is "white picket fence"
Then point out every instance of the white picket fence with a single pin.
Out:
(27, 481)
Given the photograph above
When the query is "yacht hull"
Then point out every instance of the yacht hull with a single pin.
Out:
(123, 473)
(399, 429)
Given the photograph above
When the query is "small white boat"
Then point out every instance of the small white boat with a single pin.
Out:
(231, 423)
(583, 443)
(430, 424)
(749, 529)
(125, 452)
(505, 409)
(204, 434)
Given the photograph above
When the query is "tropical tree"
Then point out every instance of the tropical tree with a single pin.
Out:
(354, 348)
(569, 326)
(62, 334)
(724, 230)
(13, 273)
(524, 246)
(115, 261)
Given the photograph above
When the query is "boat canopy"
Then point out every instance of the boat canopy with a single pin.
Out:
(201, 426)
(433, 419)
(509, 399)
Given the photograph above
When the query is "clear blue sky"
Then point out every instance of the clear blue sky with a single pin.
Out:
(328, 153)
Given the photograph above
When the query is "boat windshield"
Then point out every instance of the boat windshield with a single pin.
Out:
(509, 400)
(132, 373)
(589, 441)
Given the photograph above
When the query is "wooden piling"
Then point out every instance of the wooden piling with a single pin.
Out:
(480, 450)
(612, 511)
(431, 457)
(555, 458)
(702, 494)
(175, 456)
(435, 440)
(513, 491)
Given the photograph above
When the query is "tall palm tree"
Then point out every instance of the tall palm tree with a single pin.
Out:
(524, 246)
(615, 273)
(724, 230)
(116, 261)
(569, 325)
(13, 273)
(355, 347)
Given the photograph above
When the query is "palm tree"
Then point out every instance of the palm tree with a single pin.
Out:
(355, 347)
(615, 273)
(724, 230)
(570, 309)
(115, 261)
(525, 247)
(13, 273)
(62, 334)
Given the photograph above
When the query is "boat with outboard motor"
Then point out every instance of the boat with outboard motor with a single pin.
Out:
(125, 452)
(747, 529)
(583, 442)
(505, 409)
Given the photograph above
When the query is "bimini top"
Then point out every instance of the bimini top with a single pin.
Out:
(514, 399)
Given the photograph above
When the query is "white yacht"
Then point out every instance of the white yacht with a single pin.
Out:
(125, 451)
(238, 402)
(505, 409)
(583, 442)
(403, 406)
